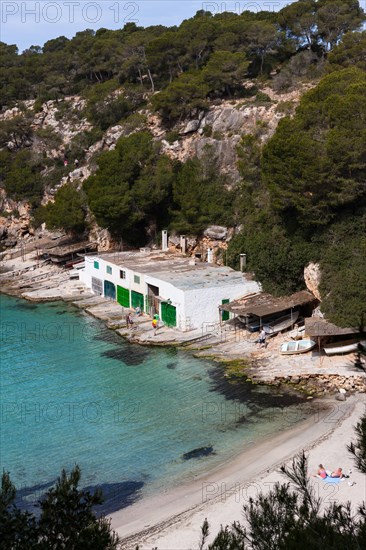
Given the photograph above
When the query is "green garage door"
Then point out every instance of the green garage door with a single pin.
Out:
(123, 296)
(137, 299)
(225, 315)
(109, 290)
(168, 314)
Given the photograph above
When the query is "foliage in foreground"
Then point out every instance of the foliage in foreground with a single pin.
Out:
(67, 519)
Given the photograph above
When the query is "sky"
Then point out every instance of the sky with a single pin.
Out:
(31, 23)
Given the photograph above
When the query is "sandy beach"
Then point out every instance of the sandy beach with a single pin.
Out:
(172, 520)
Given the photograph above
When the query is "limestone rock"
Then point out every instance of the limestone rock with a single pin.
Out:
(340, 397)
(102, 237)
(224, 150)
(217, 232)
(192, 126)
(312, 276)
(3, 232)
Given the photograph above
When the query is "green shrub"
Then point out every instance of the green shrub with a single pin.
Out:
(172, 136)
(261, 97)
(285, 107)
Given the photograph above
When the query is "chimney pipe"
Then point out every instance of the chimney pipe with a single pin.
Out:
(209, 255)
(164, 240)
(243, 262)
(183, 244)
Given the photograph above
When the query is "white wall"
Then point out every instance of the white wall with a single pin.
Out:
(202, 305)
(114, 277)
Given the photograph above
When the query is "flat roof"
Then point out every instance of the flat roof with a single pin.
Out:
(263, 304)
(176, 270)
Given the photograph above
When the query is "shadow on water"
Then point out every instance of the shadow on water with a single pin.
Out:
(23, 304)
(27, 497)
(127, 353)
(109, 336)
(256, 397)
(116, 496)
(130, 356)
(199, 452)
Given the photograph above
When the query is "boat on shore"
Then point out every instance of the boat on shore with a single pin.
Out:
(297, 346)
(297, 333)
(251, 324)
(344, 347)
(281, 323)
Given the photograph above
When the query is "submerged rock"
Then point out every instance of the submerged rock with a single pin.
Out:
(198, 453)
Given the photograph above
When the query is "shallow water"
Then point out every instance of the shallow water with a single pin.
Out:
(74, 392)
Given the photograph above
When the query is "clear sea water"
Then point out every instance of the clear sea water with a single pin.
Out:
(73, 392)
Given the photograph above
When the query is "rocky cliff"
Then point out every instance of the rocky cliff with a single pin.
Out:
(57, 124)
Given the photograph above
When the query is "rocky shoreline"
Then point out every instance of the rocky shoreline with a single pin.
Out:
(312, 374)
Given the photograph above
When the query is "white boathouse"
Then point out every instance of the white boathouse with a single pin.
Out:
(185, 293)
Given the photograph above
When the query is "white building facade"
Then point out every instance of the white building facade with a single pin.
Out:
(184, 295)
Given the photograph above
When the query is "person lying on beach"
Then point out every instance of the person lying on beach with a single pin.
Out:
(321, 472)
(338, 473)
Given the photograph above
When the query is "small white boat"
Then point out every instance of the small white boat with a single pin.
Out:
(297, 333)
(344, 347)
(281, 323)
(298, 346)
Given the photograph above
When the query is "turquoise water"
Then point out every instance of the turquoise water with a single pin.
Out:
(73, 392)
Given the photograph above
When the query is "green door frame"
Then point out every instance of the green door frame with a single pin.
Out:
(225, 315)
(123, 296)
(168, 314)
(109, 289)
(137, 300)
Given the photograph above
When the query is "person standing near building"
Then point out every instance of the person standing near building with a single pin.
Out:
(262, 337)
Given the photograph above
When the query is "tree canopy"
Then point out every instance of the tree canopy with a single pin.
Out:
(67, 518)
(303, 197)
(67, 212)
(155, 56)
(131, 185)
(315, 163)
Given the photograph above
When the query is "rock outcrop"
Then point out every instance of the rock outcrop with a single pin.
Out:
(312, 276)
(216, 132)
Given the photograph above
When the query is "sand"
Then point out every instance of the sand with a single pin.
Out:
(172, 520)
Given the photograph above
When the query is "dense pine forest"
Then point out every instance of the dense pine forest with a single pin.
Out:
(300, 193)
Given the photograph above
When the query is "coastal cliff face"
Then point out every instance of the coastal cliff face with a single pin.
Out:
(55, 126)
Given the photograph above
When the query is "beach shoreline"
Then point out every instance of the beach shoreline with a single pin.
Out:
(172, 520)
(312, 373)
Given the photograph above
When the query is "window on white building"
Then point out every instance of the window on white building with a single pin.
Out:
(122, 274)
(96, 264)
(109, 270)
(136, 279)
